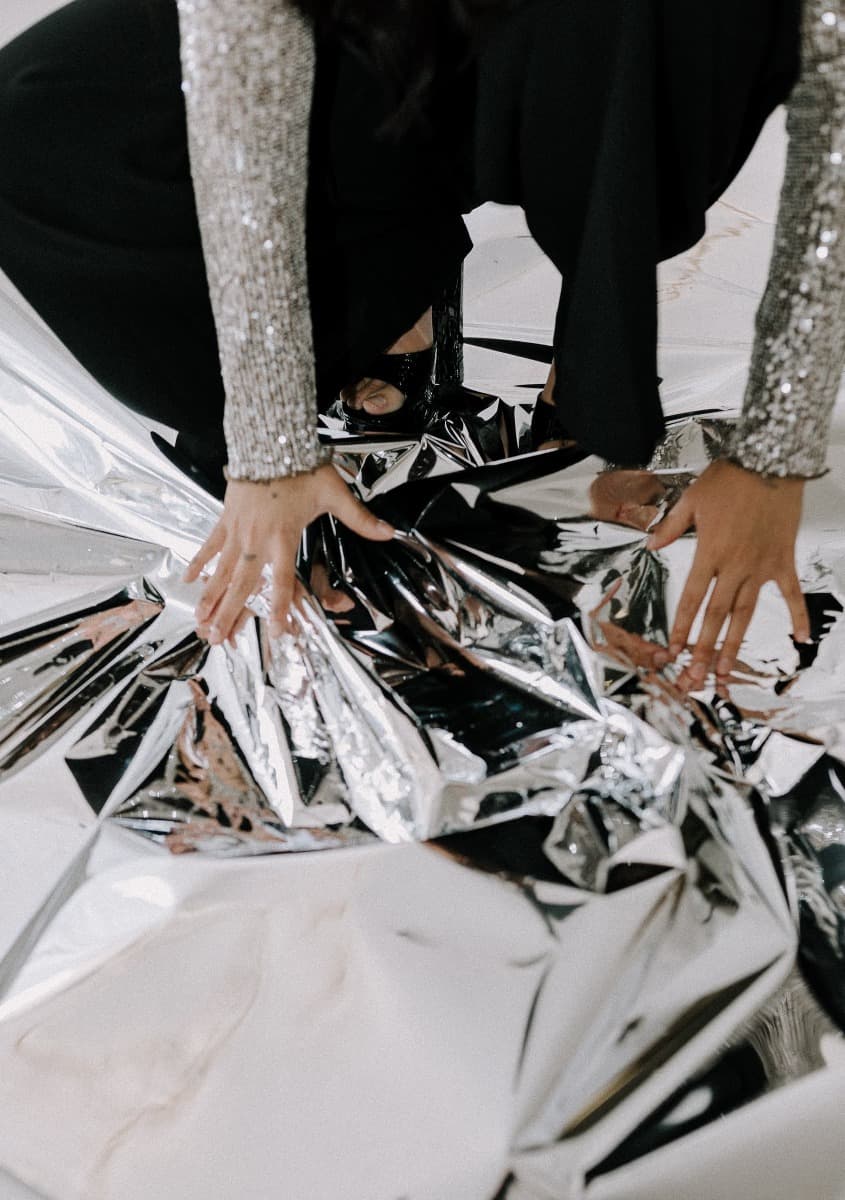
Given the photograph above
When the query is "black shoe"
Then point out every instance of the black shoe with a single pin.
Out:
(410, 374)
(547, 426)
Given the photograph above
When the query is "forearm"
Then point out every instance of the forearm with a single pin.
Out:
(248, 75)
(799, 350)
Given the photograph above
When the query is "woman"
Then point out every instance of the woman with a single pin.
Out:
(626, 184)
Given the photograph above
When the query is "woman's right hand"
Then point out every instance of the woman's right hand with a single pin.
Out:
(747, 526)
(262, 524)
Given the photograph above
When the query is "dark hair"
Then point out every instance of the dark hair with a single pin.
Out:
(405, 40)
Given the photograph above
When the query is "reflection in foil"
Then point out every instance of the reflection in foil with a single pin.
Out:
(46, 669)
(203, 796)
(484, 681)
(186, 757)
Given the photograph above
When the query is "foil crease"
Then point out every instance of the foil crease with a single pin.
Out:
(482, 684)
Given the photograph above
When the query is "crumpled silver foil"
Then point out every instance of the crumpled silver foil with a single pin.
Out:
(481, 683)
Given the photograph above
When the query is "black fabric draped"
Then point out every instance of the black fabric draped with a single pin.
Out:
(98, 226)
(615, 124)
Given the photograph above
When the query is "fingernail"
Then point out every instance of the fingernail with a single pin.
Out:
(651, 543)
(723, 666)
(661, 658)
(698, 671)
(805, 640)
(675, 649)
(202, 632)
(214, 636)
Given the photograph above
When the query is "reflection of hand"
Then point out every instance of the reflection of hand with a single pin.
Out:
(747, 527)
(628, 649)
(331, 599)
(262, 523)
(626, 497)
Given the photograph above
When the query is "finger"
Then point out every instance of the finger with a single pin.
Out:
(284, 586)
(359, 519)
(720, 605)
(660, 657)
(353, 397)
(673, 526)
(386, 400)
(213, 545)
(299, 595)
(240, 625)
(608, 597)
(692, 597)
(243, 581)
(790, 589)
(216, 586)
(743, 611)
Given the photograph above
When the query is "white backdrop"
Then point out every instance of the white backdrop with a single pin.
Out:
(17, 14)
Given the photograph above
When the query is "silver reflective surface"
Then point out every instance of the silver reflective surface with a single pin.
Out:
(599, 916)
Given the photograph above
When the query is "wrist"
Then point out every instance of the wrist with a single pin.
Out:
(769, 478)
(281, 477)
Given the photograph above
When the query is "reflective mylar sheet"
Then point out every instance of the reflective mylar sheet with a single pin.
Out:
(564, 897)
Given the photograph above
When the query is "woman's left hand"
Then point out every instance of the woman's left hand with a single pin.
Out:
(747, 527)
(262, 525)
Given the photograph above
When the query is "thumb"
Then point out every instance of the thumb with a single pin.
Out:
(359, 519)
(673, 526)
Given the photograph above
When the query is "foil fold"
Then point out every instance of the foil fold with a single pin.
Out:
(482, 685)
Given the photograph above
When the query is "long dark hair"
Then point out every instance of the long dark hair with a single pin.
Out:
(406, 41)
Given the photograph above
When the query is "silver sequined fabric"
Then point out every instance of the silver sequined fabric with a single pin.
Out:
(248, 68)
(799, 352)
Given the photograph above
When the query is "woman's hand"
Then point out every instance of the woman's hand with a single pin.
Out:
(747, 527)
(262, 523)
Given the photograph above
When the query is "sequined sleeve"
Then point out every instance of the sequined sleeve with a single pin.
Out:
(799, 351)
(248, 69)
